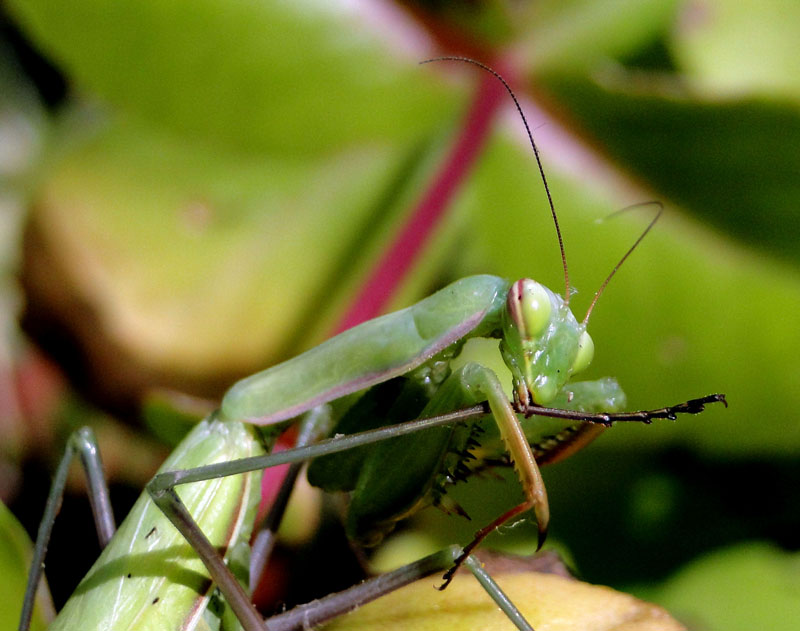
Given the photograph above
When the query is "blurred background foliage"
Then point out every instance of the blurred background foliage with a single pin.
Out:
(190, 191)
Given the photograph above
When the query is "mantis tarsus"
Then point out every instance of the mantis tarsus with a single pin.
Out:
(401, 364)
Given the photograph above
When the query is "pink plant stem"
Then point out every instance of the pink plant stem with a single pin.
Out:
(399, 259)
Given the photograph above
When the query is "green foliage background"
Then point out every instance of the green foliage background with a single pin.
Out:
(222, 174)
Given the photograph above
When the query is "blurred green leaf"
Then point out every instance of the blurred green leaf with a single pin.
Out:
(169, 415)
(576, 35)
(750, 586)
(679, 321)
(191, 282)
(16, 551)
(733, 163)
(735, 47)
(262, 75)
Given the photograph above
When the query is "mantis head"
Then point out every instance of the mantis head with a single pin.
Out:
(543, 343)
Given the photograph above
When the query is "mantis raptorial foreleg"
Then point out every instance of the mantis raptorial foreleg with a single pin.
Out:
(479, 380)
(422, 458)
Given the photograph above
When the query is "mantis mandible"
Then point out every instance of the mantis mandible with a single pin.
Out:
(367, 379)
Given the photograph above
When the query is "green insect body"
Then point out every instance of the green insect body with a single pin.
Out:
(540, 339)
(370, 353)
(392, 345)
(386, 371)
(148, 577)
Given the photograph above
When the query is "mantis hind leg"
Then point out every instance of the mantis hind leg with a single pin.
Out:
(83, 443)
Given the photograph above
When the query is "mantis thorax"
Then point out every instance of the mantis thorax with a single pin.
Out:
(543, 343)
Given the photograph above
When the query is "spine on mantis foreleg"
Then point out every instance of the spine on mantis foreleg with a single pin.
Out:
(148, 578)
(370, 353)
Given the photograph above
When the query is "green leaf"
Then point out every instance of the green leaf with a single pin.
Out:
(192, 281)
(684, 317)
(547, 601)
(749, 586)
(579, 34)
(301, 77)
(735, 47)
(16, 551)
(733, 163)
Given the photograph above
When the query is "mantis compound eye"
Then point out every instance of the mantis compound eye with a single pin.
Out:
(585, 353)
(530, 307)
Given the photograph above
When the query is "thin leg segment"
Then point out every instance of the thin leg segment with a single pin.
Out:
(315, 425)
(161, 490)
(170, 479)
(84, 443)
(320, 611)
(171, 505)
(497, 594)
(692, 406)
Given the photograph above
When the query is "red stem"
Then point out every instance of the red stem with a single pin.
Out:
(399, 258)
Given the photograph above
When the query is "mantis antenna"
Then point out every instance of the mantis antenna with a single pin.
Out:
(535, 153)
(652, 223)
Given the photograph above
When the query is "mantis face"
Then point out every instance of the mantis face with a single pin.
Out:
(543, 343)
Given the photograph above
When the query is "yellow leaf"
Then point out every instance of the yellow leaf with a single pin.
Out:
(549, 603)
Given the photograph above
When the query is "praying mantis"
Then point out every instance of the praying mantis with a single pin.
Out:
(360, 387)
